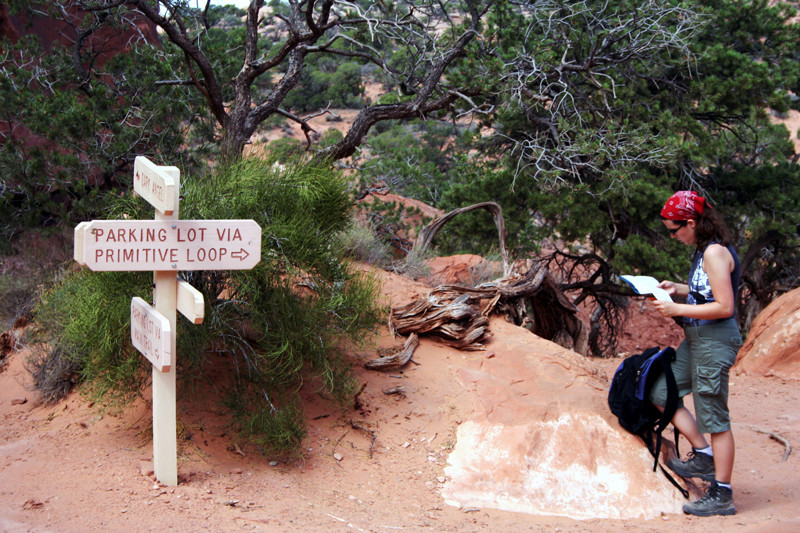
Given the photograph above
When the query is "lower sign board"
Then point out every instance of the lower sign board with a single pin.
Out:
(141, 245)
(151, 334)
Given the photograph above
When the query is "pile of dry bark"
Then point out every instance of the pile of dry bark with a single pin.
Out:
(457, 315)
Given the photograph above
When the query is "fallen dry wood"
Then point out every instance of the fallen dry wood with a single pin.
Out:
(400, 391)
(399, 359)
(777, 437)
(457, 315)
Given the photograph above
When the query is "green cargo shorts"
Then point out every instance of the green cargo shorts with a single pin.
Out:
(701, 367)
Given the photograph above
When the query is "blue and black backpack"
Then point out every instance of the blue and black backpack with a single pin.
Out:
(629, 399)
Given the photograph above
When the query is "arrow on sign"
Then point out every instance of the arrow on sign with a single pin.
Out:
(241, 254)
(156, 184)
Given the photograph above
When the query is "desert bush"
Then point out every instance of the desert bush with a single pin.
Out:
(82, 327)
(290, 319)
(362, 244)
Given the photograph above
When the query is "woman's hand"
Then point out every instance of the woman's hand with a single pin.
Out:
(666, 308)
(674, 289)
(668, 286)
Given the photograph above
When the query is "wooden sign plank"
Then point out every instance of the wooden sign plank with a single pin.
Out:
(79, 233)
(151, 334)
(156, 184)
(164, 245)
(190, 302)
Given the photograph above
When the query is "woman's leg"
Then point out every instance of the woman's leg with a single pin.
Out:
(683, 419)
(687, 425)
(715, 353)
(724, 452)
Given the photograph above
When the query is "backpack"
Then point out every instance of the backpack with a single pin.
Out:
(629, 399)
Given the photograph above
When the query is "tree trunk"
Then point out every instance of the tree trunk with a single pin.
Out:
(232, 144)
(458, 316)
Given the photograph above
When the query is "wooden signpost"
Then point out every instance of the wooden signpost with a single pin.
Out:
(165, 245)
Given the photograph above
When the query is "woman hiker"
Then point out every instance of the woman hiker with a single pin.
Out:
(709, 349)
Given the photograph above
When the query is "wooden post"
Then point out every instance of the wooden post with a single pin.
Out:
(165, 427)
(165, 246)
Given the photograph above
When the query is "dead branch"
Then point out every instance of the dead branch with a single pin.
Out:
(356, 398)
(426, 235)
(774, 436)
(396, 360)
(399, 391)
(457, 315)
(335, 444)
(369, 432)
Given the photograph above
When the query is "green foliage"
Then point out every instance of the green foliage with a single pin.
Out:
(412, 158)
(362, 244)
(285, 149)
(330, 137)
(475, 232)
(77, 119)
(327, 82)
(394, 225)
(706, 118)
(226, 16)
(291, 318)
(85, 321)
(276, 432)
(600, 110)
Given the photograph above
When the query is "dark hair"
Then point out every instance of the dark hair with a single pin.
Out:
(711, 227)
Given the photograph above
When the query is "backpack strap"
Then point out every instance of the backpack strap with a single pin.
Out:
(648, 440)
(670, 407)
(672, 480)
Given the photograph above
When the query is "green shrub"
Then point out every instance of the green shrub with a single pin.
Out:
(290, 319)
(361, 243)
(85, 324)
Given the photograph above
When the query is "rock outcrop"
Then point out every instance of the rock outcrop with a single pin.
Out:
(543, 441)
(772, 347)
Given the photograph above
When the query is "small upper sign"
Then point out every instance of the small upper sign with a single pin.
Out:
(156, 184)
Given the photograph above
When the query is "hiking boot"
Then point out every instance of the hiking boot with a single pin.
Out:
(717, 501)
(697, 465)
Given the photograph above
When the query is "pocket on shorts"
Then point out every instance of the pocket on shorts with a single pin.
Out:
(708, 380)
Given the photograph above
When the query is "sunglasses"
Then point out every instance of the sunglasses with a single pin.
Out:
(681, 224)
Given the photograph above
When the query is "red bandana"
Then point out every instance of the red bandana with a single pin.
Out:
(683, 205)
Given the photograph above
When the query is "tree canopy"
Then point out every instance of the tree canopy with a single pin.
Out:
(579, 118)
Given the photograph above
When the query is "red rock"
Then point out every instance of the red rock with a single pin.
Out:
(463, 269)
(542, 440)
(772, 347)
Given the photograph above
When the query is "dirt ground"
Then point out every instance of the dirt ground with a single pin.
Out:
(377, 468)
